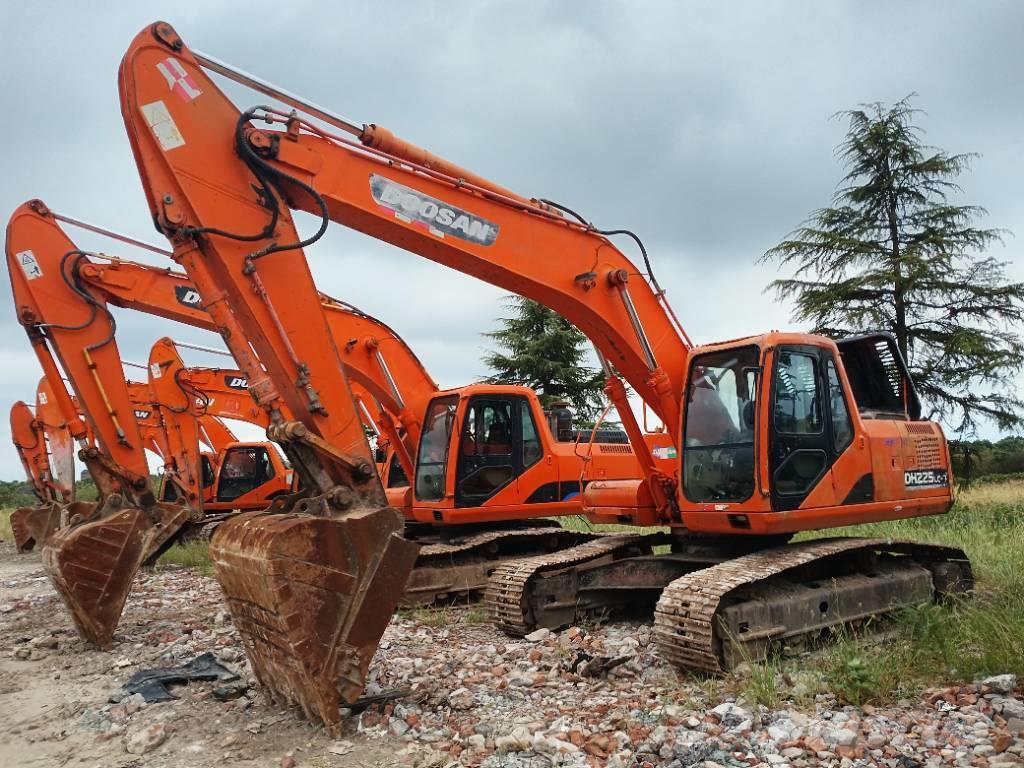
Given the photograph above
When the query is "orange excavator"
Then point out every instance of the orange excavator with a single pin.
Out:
(244, 475)
(769, 435)
(30, 524)
(127, 525)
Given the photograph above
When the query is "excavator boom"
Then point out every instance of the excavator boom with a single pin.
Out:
(311, 583)
(93, 560)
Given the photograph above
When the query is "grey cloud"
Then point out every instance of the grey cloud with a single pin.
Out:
(704, 127)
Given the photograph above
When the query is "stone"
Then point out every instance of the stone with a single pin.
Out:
(477, 741)
(22, 652)
(842, 737)
(1015, 725)
(398, 727)
(145, 740)
(460, 699)
(340, 747)
(288, 762)
(1000, 683)
(876, 740)
(517, 741)
(733, 717)
(1010, 708)
(44, 641)
(539, 635)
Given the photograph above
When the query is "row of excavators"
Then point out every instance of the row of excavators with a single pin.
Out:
(761, 437)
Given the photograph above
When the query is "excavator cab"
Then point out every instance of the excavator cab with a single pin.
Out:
(497, 441)
(786, 432)
(243, 469)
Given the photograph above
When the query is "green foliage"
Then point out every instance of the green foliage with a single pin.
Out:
(983, 461)
(475, 614)
(895, 253)
(18, 493)
(930, 644)
(189, 554)
(542, 350)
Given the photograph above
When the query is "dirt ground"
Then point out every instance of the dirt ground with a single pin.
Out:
(52, 702)
(595, 696)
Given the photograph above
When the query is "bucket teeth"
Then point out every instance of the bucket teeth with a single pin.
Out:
(311, 597)
(92, 564)
(34, 525)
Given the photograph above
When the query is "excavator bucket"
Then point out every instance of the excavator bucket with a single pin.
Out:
(93, 560)
(34, 525)
(311, 597)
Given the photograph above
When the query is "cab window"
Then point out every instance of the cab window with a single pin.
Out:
(718, 459)
(243, 469)
(485, 450)
(432, 459)
(842, 425)
(797, 407)
(531, 441)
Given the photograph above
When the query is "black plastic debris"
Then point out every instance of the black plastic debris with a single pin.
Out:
(379, 698)
(230, 691)
(152, 683)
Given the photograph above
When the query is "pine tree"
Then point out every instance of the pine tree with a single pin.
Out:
(895, 253)
(542, 350)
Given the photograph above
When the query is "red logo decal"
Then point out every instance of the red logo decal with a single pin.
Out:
(178, 80)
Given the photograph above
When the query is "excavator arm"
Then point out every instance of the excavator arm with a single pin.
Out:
(32, 525)
(30, 444)
(378, 184)
(92, 560)
(312, 583)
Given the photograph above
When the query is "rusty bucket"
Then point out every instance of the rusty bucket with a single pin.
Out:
(311, 597)
(93, 561)
(34, 525)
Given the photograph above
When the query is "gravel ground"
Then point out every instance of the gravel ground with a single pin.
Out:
(583, 696)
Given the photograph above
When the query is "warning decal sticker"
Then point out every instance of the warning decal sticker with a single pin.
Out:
(178, 80)
(162, 124)
(29, 265)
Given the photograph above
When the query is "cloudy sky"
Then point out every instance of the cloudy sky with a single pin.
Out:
(703, 127)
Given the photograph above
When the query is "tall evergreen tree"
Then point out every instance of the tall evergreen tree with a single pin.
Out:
(542, 350)
(895, 253)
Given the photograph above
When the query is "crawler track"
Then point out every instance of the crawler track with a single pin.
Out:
(687, 621)
(460, 567)
(507, 595)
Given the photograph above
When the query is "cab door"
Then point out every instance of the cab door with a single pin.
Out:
(811, 427)
(799, 446)
(498, 441)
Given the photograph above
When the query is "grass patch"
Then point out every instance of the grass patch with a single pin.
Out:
(933, 644)
(475, 614)
(5, 525)
(190, 554)
(433, 617)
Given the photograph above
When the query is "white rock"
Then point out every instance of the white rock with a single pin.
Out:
(517, 741)
(841, 737)
(340, 748)
(1001, 683)
(398, 727)
(539, 635)
(460, 698)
